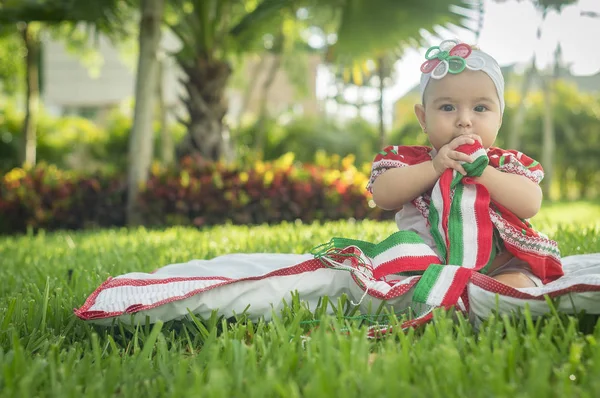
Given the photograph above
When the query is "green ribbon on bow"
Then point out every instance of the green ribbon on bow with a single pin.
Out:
(455, 63)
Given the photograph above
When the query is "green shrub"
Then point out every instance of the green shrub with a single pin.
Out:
(48, 150)
(46, 197)
(74, 142)
(305, 136)
(196, 193)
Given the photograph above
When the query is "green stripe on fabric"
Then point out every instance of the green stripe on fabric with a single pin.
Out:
(397, 238)
(455, 228)
(456, 180)
(426, 283)
(476, 168)
(374, 249)
(434, 219)
(502, 160)
(410, 273)
(364, 246)
(535, 163)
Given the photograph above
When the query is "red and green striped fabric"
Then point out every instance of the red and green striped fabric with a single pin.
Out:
(462, 221)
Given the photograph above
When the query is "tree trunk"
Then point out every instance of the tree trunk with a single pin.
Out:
(206, 105)
(381, 74)
(263, 111)
(141, 138)
(31, 39)
(548, 136)
(167, 150)
(514, 136)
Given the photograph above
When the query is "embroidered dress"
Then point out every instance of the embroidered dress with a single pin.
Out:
(516, 235)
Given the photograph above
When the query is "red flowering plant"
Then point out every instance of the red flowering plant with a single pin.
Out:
(197, 193)
(46, 197)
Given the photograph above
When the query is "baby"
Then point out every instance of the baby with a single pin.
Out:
(462, 94)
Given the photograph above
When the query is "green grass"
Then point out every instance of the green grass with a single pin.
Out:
(46, 351)
(578, 213)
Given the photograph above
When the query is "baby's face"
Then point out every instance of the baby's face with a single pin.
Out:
(465, 103)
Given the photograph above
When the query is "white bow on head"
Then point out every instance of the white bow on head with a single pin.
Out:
(454, 57)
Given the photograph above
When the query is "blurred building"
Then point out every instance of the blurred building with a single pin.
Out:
(72, 88)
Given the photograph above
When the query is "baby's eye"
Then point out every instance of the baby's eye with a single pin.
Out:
(447, 108)
(481, 108)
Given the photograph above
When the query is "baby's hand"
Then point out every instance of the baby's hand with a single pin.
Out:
(449, 158)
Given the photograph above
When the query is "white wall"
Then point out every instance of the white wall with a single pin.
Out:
(68, 83)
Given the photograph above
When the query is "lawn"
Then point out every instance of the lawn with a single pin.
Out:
(46, 351)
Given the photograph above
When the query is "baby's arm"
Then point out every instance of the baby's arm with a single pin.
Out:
(515, 192)
(397, 186)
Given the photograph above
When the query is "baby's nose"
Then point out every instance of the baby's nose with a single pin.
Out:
(463, 120)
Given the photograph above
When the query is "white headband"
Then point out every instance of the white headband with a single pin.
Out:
(444, 59)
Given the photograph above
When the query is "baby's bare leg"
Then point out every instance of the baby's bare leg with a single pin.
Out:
(515, 279)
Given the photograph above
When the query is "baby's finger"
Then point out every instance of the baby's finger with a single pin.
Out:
(476, 137)
(458, 167)
(463, 139)
(460, 156)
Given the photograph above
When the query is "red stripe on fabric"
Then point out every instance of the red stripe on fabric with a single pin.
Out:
(547, 268)
(83, 313)
(383, 331)
(485, 227)
(397, 290)
(465, 299)
(493, 286)
(404, 264)
(444, 185)
(118, 282)
(401, 288)
(91, 300)
(456, 289)
(413, 323)
(352, 254)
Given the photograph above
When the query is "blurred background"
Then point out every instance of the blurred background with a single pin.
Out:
(198, 112)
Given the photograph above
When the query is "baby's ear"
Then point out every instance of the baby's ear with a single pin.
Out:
(420, 113)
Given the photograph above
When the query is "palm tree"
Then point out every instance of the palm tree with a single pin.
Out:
(211, 31)
(146, 82)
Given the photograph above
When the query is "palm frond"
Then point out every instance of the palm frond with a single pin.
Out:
(54, 11)
(379, 26)
(111, 17)
(266, 11)
(556, 5)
